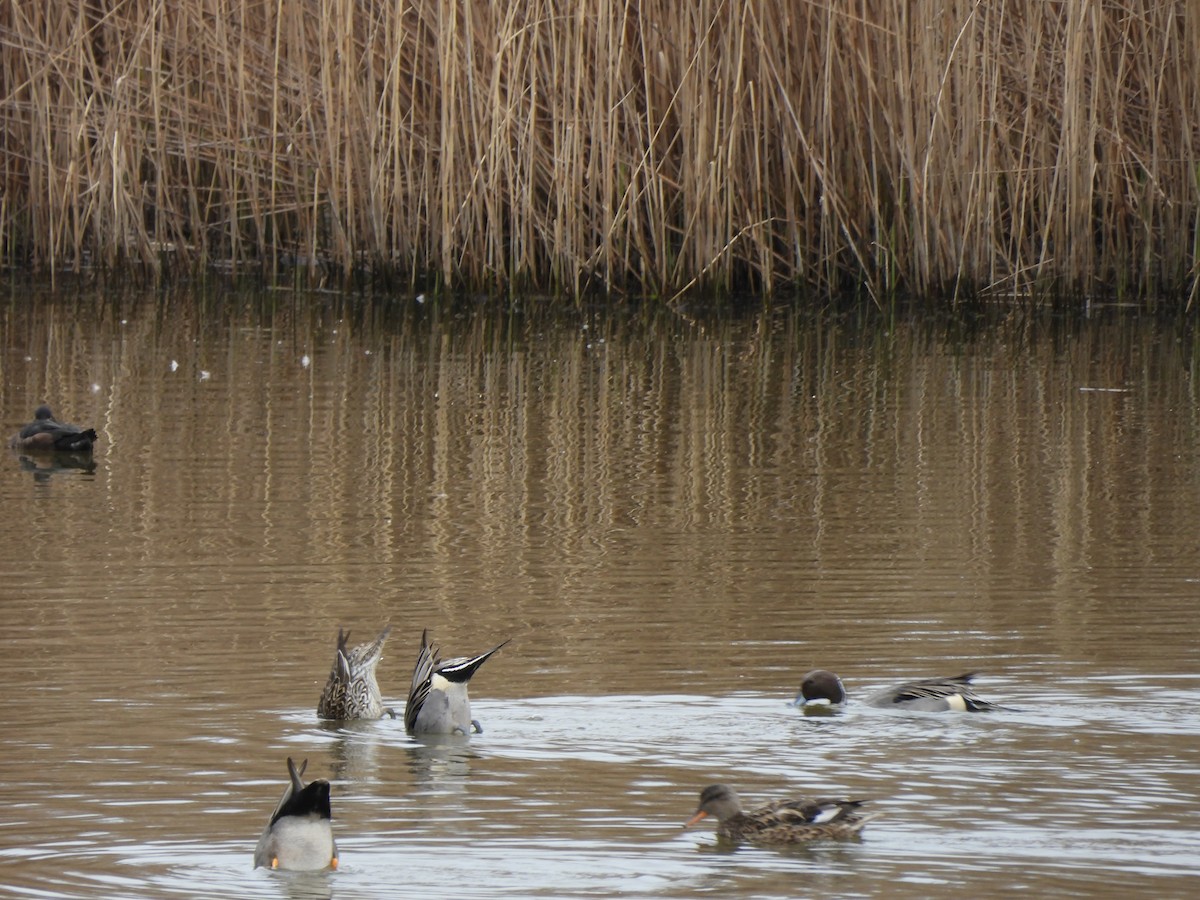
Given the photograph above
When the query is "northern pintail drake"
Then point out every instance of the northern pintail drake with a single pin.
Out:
(352, 691)
(46, 433)
(783, 821)
(927, 695)
(438, 701)
(300, 833)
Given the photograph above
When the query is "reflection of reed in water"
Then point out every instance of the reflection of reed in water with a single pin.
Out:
(485, 464)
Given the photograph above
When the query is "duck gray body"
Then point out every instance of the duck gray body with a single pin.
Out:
(299, 834)
(925, 695)
(47, 433)
(792, 821)
(933, 695)
(437, 700)
(352, 692)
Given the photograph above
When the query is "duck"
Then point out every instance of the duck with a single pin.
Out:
(299, 835)
(925, 695)
(352, 691)
(438, 701)
(793, 821)
(47, 433)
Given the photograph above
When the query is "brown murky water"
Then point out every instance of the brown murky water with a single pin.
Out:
(673, 518)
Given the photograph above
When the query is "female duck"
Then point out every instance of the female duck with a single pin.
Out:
(46, 433)
(783, 821)
(299, 834)
(352, 691)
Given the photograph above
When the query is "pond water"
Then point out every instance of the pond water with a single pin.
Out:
(674, 516)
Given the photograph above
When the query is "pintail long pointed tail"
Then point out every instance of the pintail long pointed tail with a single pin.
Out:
(460, 671)
(299, 834)
(47, 433)
(352, 691)
(295, 776)
(438, 702)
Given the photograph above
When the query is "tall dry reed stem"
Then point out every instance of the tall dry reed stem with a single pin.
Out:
(902, 145)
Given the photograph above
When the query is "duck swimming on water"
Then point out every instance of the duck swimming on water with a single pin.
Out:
(926, 695)
(792, 821)
(47, 433)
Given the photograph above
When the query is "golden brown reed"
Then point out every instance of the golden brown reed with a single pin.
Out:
(901, 145)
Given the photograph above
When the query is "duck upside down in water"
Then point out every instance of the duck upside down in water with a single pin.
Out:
(299, 835)
(352, 691)
(437, 700)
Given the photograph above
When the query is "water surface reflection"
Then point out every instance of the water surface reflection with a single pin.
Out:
(674, 518)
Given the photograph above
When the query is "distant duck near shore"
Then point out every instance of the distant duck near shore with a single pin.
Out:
(47, 433)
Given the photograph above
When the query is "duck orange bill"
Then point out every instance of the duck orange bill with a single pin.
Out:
(694, 819)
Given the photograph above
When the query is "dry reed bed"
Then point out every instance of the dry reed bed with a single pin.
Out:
(900, 145)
